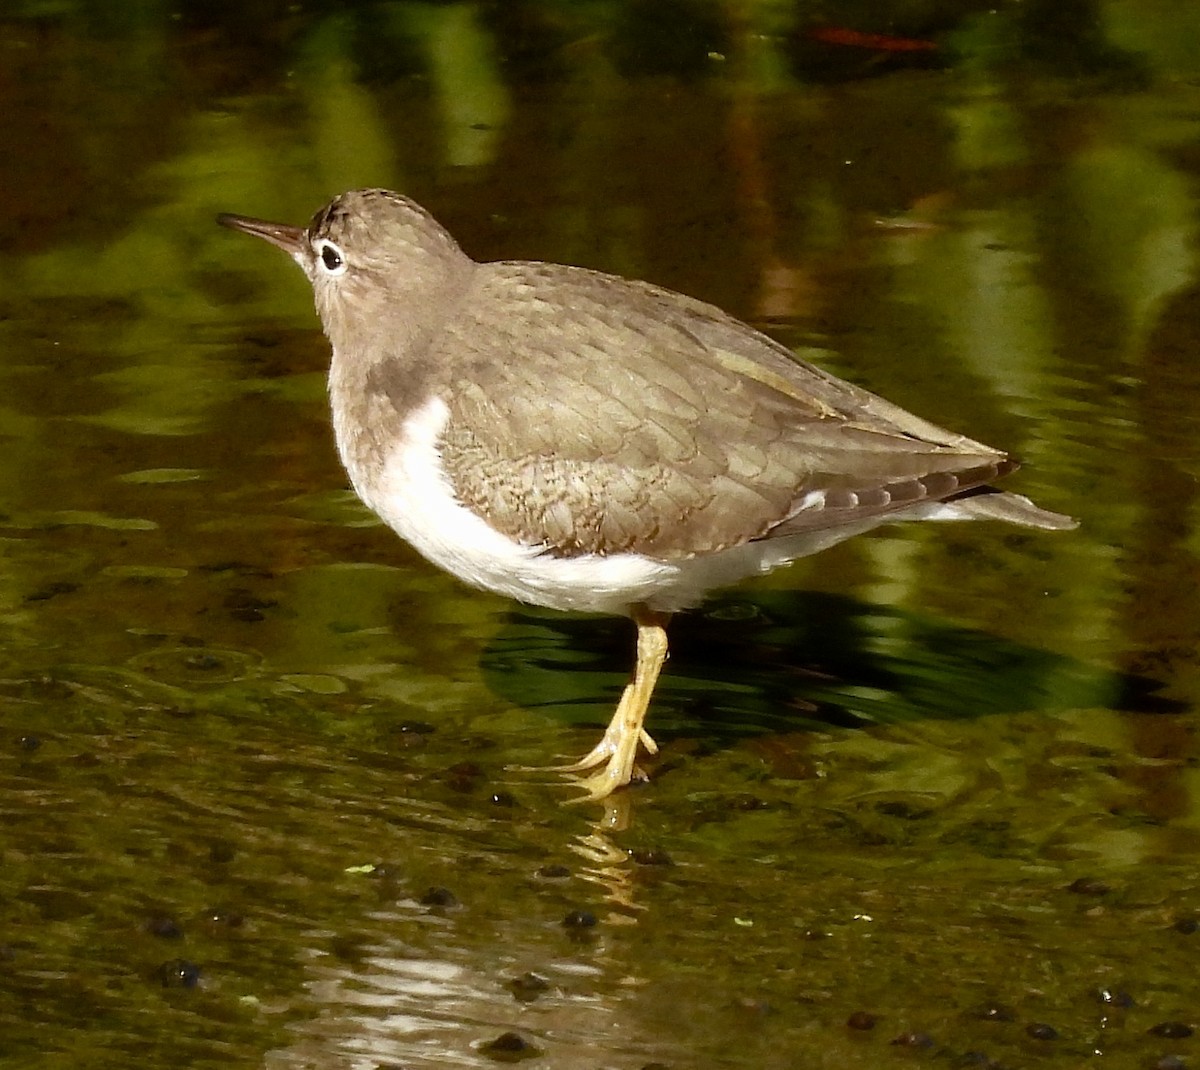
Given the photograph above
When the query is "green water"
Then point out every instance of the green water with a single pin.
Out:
(273, 792)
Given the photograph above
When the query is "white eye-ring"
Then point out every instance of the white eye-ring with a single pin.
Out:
(330, 257)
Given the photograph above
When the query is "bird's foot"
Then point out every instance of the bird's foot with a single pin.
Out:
(615, 754)
(615, 741)
(616, 773)
(618, 749)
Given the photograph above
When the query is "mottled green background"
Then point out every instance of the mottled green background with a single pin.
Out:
(942, 779)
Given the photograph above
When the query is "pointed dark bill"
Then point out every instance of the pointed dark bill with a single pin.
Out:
(291, 240)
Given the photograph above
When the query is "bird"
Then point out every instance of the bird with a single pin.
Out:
(588, 442)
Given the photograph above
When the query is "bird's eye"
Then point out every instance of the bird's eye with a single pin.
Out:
(331, 257)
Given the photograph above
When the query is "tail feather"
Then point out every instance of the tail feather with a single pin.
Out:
(990, 504)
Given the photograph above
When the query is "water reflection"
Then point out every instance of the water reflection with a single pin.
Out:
(403, 1003)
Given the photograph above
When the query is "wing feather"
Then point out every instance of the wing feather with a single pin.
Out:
(701, 434)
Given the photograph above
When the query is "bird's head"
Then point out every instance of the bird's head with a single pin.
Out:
(376, 260)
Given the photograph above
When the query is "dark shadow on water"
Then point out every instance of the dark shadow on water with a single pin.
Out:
(782, 661)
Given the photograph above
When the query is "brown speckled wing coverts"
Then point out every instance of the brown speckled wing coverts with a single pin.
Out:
(668, 457)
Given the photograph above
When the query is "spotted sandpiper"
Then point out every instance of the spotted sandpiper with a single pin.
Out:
(582, 441)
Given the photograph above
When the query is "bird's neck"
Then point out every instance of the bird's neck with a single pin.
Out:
(383, 366)
(378, 376)
(389, 315)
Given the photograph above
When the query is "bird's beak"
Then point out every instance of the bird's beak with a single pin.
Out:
(292, 240)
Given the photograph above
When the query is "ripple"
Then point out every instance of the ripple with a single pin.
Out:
(198, 665)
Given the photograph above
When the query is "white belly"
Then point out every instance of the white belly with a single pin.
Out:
(414, 498)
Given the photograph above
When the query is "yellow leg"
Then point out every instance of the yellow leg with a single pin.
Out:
(618, 748)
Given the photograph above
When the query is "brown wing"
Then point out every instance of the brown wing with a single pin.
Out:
(591, 414)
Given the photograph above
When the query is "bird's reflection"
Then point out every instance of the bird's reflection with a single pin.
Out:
(607, 865)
